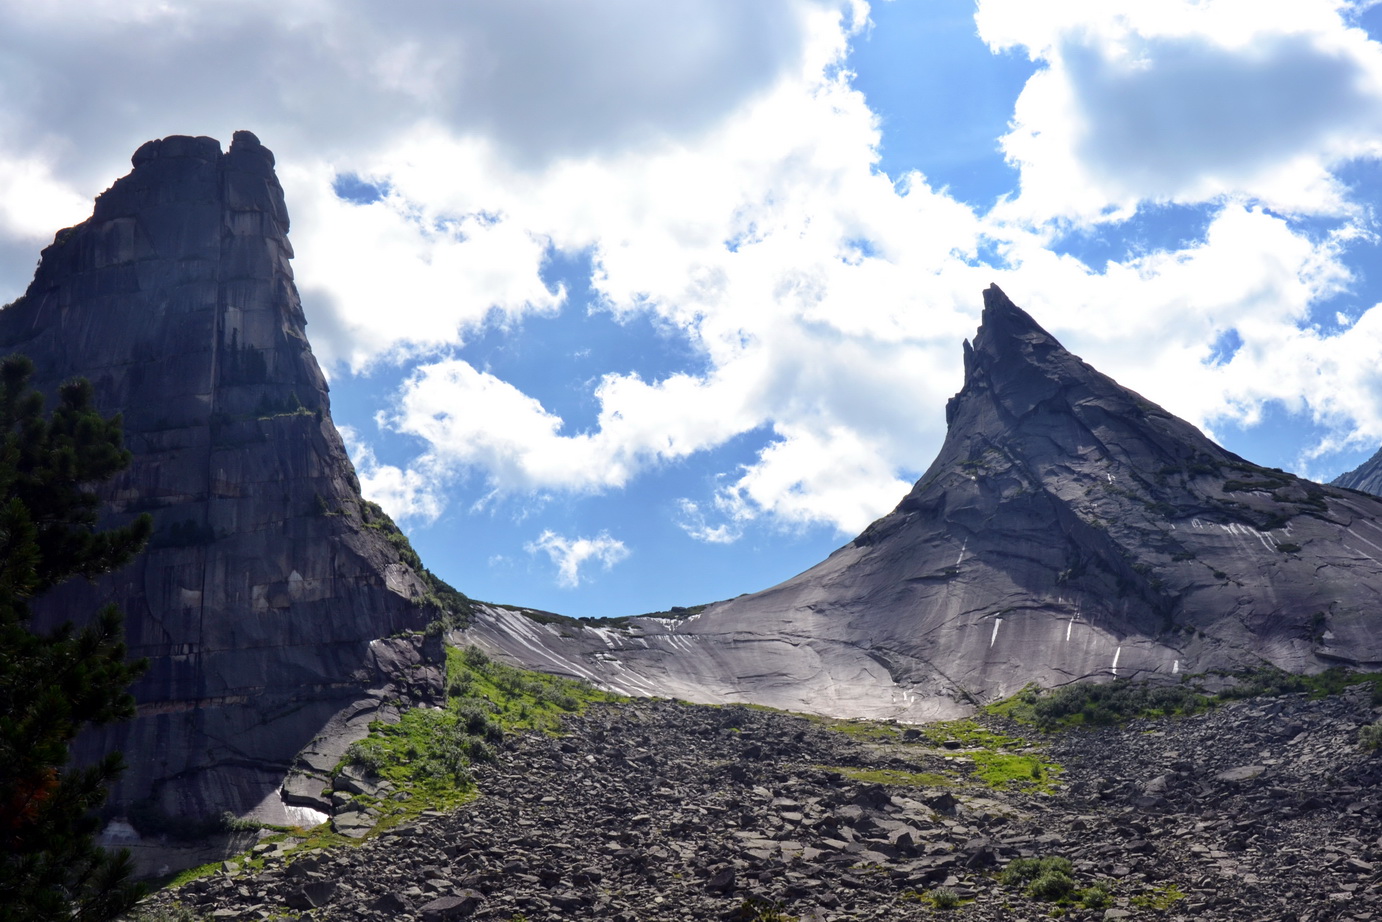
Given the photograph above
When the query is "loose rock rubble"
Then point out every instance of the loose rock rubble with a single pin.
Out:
(658, 811)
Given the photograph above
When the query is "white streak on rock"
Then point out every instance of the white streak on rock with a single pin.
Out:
(1362, 539)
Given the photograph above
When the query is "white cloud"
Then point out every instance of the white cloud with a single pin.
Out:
(543, 78)
(1186, 101)
(718, 166)
(1151, 321)
(570, 554)
(693, 521)
(828, 304)
(403, 494)
(473, 420)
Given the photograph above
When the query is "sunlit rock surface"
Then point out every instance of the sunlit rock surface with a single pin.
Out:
(262, 589)
(1068, 529)
(1366, 476)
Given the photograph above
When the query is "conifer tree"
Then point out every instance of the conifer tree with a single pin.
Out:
(54, 683)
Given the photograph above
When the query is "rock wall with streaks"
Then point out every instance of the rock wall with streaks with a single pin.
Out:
(1068, 529)
(1366, 476)
(261, 597)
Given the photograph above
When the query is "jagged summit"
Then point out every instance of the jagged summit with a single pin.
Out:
(1068, 528)
(267, 579)
(1366, 476)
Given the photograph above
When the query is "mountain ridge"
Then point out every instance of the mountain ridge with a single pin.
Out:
(1068, 529)
(1366, 477)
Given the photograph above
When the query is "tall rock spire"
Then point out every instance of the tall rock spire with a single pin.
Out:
(267, 577)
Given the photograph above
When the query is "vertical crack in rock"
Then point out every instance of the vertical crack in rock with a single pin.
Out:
(262, 587)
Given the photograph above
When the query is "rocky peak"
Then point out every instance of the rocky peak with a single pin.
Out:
(1366, 476)
(268, 580)
(1068, 529)
(1011, 358)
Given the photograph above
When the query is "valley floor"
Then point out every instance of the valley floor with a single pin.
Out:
(657, 811)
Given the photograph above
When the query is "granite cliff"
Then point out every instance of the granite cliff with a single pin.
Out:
(262, 597)
(1366, 476)
(1068, 529)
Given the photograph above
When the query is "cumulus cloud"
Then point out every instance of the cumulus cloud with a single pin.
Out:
(1186, 102)
(693, 521)
(719, 168)
(570, 554)
(543, 78)
(403, 494)
(828, 302)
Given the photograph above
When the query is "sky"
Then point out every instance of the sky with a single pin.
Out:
(632, 305)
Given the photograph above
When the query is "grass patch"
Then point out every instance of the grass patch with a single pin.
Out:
(996, 764)
(868, 730)
(1158, 898)
(989, 751)
(518, 699)
(1001, 770)
(970, 733)
(1122, 700)
(428, 754)
(197, 873)
(755, 909)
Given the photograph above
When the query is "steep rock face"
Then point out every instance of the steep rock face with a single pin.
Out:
(1366, 476)
(1068, 528)
(262, 588)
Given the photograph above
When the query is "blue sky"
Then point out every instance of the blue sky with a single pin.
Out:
(632, 305)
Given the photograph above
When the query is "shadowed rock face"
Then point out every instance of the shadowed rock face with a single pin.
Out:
(1366, 476)
(262, 588)
(1068, 529)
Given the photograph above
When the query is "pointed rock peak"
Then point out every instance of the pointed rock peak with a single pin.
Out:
(1006, 328)
(1012, 357)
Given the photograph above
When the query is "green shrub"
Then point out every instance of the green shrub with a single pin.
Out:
(1110, 703)
(1052, 886)
(1022, 871)
(367, 754)
(1098, 896)
(1159, 898)
(1052, 879)
(944, 898)
(1370, 737)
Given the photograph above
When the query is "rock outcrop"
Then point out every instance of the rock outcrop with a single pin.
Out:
(1068, 529)
(268, 583)
(1366, 476)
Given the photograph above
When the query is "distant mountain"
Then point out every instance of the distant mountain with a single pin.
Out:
(1068, 529)
(1366, 476)
(268, 582)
